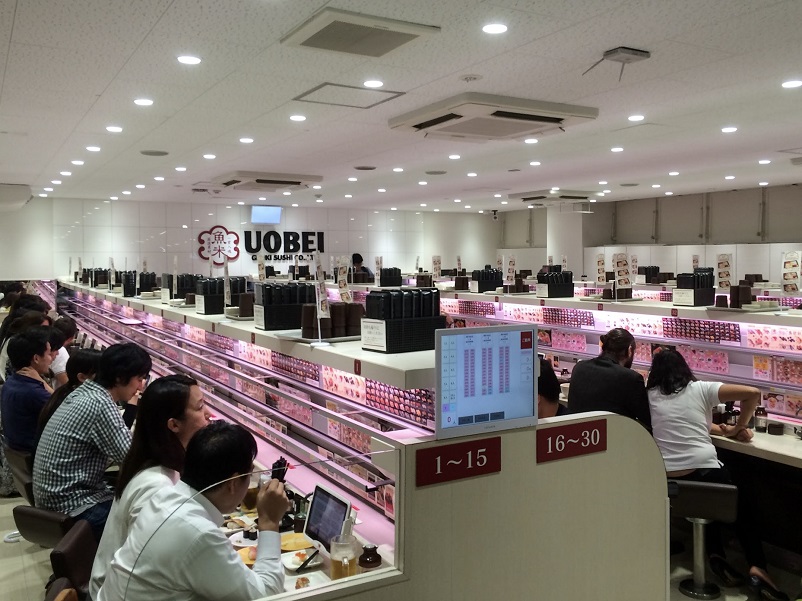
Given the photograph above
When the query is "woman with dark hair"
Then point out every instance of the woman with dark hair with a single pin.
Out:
(171, 410)
(548, 391)
(23, 304)
(681, 407)
(607, 383)
(81, 366)
(28, 319)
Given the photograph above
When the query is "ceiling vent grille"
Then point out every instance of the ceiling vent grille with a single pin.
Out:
(253, 181)
(569, 195)
(478, 117)
(353, 33)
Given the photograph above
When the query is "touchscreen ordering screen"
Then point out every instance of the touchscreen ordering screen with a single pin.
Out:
(326, 516)
(486, 377)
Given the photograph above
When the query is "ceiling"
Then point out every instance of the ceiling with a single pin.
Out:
(69, 69)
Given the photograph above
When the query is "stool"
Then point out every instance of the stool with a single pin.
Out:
(61, 589)
(41, 526)
(73, 556)
(701, 503)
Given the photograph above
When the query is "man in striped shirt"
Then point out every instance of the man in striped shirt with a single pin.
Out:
(85, 435)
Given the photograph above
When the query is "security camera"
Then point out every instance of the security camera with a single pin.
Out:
(495, 215)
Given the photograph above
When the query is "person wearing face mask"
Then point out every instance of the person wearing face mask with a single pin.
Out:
(87, 433)
(607, 382)
(171, 410)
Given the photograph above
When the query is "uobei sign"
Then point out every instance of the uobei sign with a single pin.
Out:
(218, 242)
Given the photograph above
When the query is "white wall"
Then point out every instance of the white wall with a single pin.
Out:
(26, 239)
(40, 239)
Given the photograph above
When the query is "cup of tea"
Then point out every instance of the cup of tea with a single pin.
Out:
(343, 556)
(249, 500)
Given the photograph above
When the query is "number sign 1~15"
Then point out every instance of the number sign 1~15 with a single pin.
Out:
(444, 463)
(571, 440)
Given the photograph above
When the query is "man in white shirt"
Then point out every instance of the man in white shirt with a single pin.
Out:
(176, 550)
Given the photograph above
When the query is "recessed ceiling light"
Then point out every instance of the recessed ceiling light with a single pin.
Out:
(373, 83)
(423, 204)
(115, 129)
(534, 163)
(159, 178)
(43, 195)
(504, 202)
(616, 149)
(55, 181)
(349, 195)
(422, 183)
(210, 214)
(295, 204)
(481, 211)
(180, 168)
(79, 163)
(655, 185)
(189, 60)
(246, 140)
(93, 148)
(607, 191)
(793, 83)
(382, 190)
(635, 117)
(126, 192)
(65, 173)
(453, 157)
(729, 177)
(318, 200)
(457, 200)
(185, 226)
(763, 184)
(393, 209)
(437, 210)
(113, 197)
(472, 174)
(297, 118)
(140, 186)
(554, 188)
(602, 183)
(197, 220)
(729, 129)
(316, 187)
(228, 206)
(532, 206)
(669, 193)
(398, 169)
(530, 141)
(287, 193)
(763, 162)
(467, 206)
(496, 195)
(589, 200)
(106, 202)
(673, 172)
(48, 189)
(494, 28)
(352, 179)
(143, 102)
(597, 193)
(263, 198)
(210, 156)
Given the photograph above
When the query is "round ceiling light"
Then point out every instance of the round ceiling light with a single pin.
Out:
(494, 28)
(143, 102)
(189, 60)
(373, 83)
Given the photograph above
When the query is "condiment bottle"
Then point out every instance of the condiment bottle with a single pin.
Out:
(734, 415)
(761, 419)
(370, 558)
(727, 416)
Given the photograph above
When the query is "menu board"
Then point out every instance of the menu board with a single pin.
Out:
(622, 273)
(378, 273)
(565, 262)
(511, 268)
(437, 265)
(601, 277)
(724, 270)
(342, 280)
(790, 271)
(695, 261)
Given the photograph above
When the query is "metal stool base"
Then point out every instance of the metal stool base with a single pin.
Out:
(707, 590)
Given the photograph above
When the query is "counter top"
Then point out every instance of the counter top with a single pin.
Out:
(786, 449)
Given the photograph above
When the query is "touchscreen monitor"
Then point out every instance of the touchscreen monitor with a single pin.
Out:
(325, 516)
(486, 379)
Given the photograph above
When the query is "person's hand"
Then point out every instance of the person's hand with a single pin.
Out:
(30, 372)
(134, 399)
(271, 505)
(739, 433)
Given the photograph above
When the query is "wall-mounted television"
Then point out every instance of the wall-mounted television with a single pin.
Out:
(262, 214)
(486, 379)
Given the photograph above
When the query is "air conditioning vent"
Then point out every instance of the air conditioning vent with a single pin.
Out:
(354, 33)
(480, 117)
(551, 195)
(253, 181)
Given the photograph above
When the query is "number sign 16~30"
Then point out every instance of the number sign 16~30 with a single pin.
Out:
(444, 463)
(561, 442)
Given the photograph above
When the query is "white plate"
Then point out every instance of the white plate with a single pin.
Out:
(315, 579)
(239, 541)
(291, 562)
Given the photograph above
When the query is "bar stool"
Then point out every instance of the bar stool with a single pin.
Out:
(701, 503)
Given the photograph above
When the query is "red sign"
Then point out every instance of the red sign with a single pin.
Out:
(542, 303)
(357, 367)
(457, 461)
(571, 440)
(600, 306)
(217, 243)
(526, 340)
(674, 312)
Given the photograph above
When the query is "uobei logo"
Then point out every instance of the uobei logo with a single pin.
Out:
(217, 243)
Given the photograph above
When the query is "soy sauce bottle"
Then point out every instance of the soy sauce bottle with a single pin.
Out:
(728, 417)
(761, 419)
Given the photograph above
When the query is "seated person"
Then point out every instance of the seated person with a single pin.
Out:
(681, 409)
(25, 392)
(68, 329)
(176, 551)
(548, 392)
(357, 261)
(171, 410)
(607, 383)
(85, 435)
